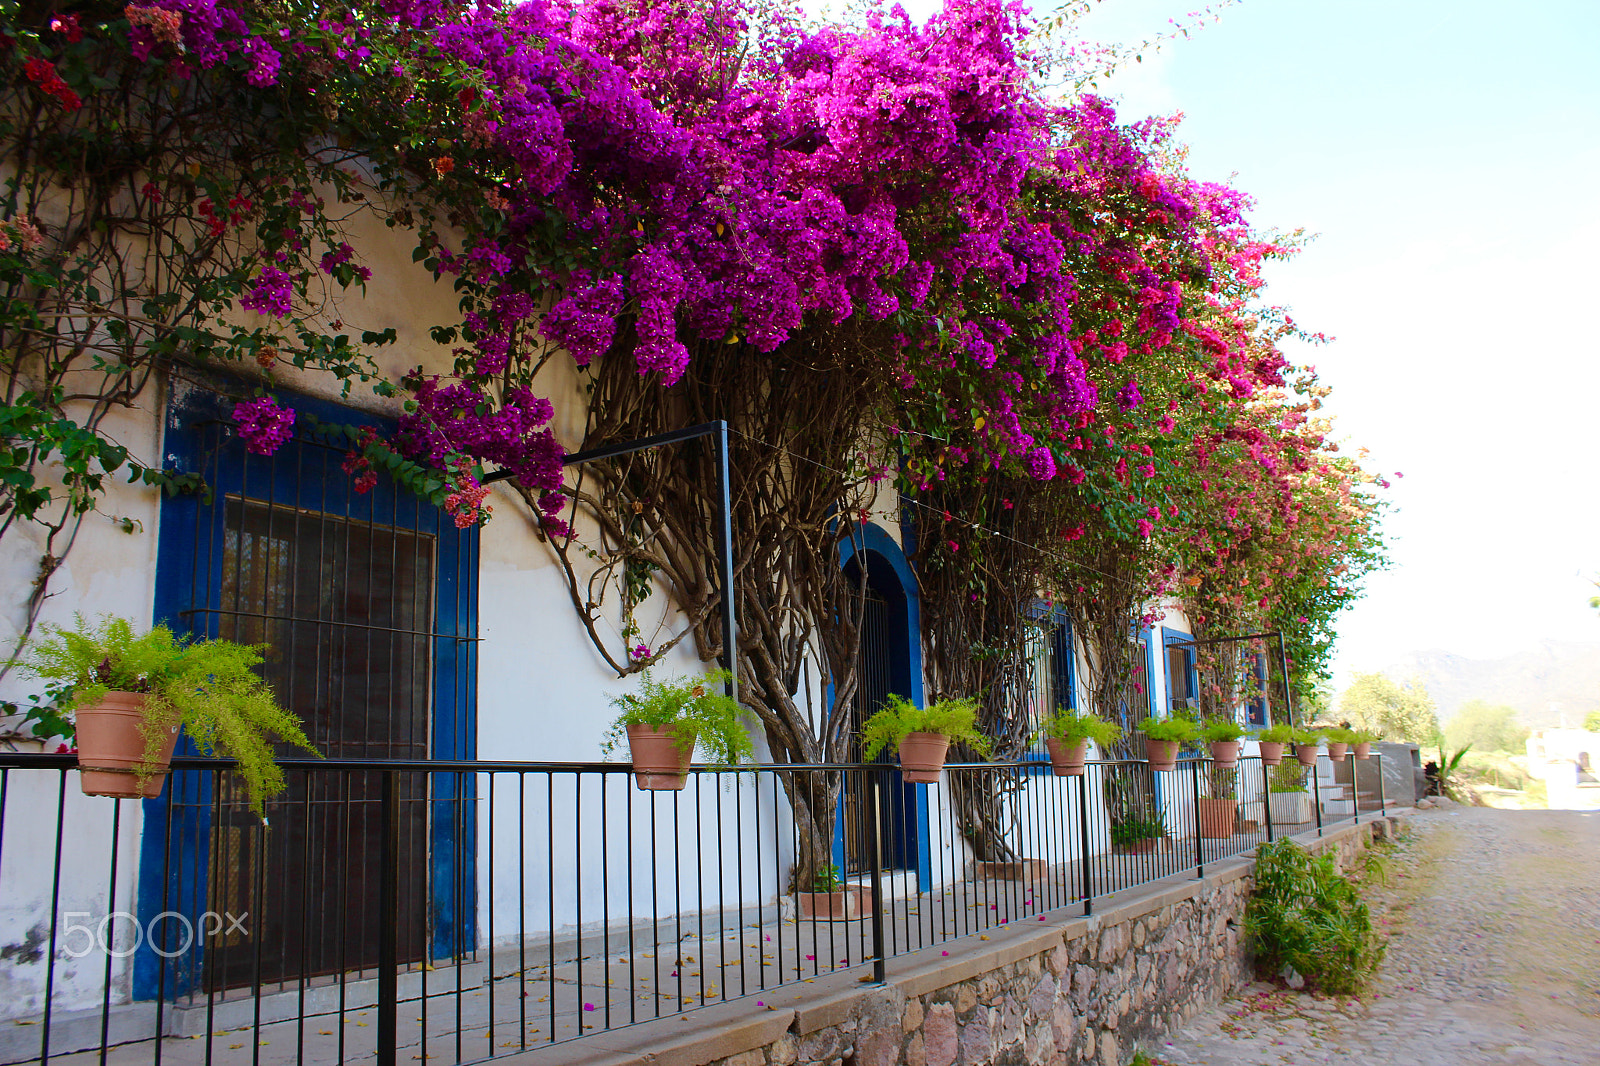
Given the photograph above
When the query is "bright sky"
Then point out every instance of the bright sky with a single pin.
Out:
(1446, 153)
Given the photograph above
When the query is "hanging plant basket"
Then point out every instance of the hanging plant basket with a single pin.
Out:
(1226, 754)
(111, 747)
(1161, 754)
(1067, 759)
(1363, 750)
(1336, 750)
(1271, 752)
(922, 757)
(1306, 754)
(660, 758)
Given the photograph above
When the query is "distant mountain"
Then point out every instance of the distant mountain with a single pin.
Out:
(1565, 673)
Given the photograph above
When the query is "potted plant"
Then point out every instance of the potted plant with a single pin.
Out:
(1137, 833)
(1287, 796)
(1339, 741)
(1162, 739)
(1306, 743)
(133, 692)
(1222, 736)
(666, 720)
(1272, 741)
(1217, 813)
(831, 898)
(1364, 741)
(922, 735)
(1067, 737)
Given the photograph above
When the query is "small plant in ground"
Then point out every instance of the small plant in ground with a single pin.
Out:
(1307, 916)
(899, 718)
(711, 717)
(1070, 728)
(1287, 776)
(827, 879)
(1149, 825)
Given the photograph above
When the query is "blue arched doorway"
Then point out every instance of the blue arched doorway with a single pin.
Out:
(891, 661)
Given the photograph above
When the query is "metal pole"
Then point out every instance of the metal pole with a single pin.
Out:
(730, 632)
(1316, 793)
(1266, 798)
(388, 923)
(1083, 841)
(1283, 664)
(1383, 806)
(1199, 847)
(879, 963)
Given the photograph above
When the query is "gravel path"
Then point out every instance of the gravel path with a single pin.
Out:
(1494, 958)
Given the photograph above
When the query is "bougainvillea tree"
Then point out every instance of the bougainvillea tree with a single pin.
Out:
(879, 250)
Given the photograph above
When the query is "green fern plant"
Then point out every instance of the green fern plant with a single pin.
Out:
(713, 720)
(1071, 728)
(210, 687)
(899, 718)
(1276, 734)
(1178, 728)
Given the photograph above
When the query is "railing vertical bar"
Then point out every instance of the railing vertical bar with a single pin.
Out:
(605, 897)
(879, 963)
(1083, 840)
(1199, 845)
(1266, 798)
(388, 921)
(1383, 804)
(722, 918)
(1316, 791)
(490, 909)
(55, 917)
(550, 885)
(111, 908)
(522, 908)
(577, 896)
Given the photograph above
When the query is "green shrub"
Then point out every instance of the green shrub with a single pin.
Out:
(1305, 915)
(899, 717)
(1277, 734)
(1149, 825)
(1306, 736)
(1287, 776)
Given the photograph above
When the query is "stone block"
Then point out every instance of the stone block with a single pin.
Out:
(1042, 997)
(940, 1035)
(911, 1020)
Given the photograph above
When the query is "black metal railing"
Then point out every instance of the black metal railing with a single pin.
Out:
(458, 910)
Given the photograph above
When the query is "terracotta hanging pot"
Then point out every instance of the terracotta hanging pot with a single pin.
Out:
(1217, 818)
(659, 763)
(922, 757)
(1271, 752)
(1067, 758)
(1306, 753)
(1225, 753)
(111, 749)
(1364, 750)
(1161, 754)
(1336, 750)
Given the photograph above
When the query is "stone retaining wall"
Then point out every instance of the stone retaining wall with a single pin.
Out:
(1068, 991)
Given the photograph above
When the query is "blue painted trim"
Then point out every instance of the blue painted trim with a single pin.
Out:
(1169, 637)
(190, 531)
(909, 803)
(1149, 639)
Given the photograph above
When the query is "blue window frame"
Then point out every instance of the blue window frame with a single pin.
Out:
(1183, 681)
(368, 602)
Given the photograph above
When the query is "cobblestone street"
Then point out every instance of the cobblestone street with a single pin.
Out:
(1493, 919)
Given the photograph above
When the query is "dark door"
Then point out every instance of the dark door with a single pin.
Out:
(873, 685)
(365, 602)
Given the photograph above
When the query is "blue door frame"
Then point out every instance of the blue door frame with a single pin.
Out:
(890, 575)
(176, 839)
